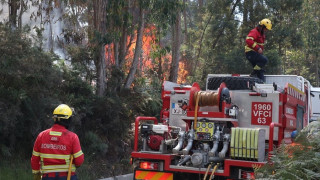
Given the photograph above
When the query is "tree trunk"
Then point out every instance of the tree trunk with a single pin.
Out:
(137, 51)
(160, 58)
(122, 47)
(116, 53)
(200, 45)
(245, 13)
(251, 10)
(220, 32)
(176, 42)
(101, 71)
(109, 53)
(140, 64)
(13, 10)
(50, 36)
(20, 14)
(185, 21)
(200, 3)
(99, 21)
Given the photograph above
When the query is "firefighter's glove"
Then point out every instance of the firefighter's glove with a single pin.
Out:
(36, 176)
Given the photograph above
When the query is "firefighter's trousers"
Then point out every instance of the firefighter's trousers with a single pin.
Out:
(57, 177)
(257, 59)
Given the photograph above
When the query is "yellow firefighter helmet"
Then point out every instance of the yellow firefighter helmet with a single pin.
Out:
(267, 23)
(63, 111)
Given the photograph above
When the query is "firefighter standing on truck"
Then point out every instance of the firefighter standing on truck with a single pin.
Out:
(254, 48)
(54, 147)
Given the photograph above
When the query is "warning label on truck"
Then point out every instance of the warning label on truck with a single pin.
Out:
(176, 109)
(261, 113)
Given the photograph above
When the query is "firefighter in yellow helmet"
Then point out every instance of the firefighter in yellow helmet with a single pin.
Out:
(255, 46)
(53, 148)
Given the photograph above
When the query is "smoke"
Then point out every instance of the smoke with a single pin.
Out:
(50, 20)
(53, 28)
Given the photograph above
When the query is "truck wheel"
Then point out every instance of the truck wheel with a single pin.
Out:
(233, 82)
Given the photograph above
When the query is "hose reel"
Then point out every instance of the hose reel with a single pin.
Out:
(207, 98)
(210, 98)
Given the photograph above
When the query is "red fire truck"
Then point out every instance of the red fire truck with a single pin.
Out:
(224, 131)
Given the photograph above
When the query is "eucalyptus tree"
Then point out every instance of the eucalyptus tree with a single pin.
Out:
(98, 22)
(286, 33)
(152, 12)
(163, 16)
(311, 32)
(176, 43)
(14, 6)
(215, 32)
(130, 77)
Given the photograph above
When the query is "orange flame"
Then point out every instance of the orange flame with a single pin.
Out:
(146, 63)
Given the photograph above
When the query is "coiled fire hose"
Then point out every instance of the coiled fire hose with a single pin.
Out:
(204, 98)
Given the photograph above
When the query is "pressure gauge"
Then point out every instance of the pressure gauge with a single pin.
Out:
(198, 124)
(203, 125)
(210, 125)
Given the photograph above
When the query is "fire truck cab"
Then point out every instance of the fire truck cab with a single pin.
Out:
(224, 131)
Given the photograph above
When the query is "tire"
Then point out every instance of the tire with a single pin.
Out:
(233, 82)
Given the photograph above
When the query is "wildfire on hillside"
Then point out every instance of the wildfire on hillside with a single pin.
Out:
(148, 63)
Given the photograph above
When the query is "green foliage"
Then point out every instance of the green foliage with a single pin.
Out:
(221, 49)
(300, 161)
(15, 168)
(231, 61)
(27, 82)
(274, 62)
(284, 5)
(115, 81)
(82, 61)
(33, 83)
(164, 12)
(213, 47)
(150, 92)
(94, 144)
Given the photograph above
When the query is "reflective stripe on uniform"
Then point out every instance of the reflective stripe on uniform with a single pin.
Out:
(61, 166)
(55, 133)
(75, 155)
(55, 156)
(256, 67)
(247, 49)
(54, 168)
(35, 153)
(254, 44)
(35, 171)
(250, 38)
(57, 170)
(152, 175)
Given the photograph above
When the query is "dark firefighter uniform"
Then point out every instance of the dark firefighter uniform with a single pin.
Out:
(54, 147)
(255, 46)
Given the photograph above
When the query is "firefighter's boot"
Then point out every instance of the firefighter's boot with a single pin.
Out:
(254, 73)
(260, 75)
